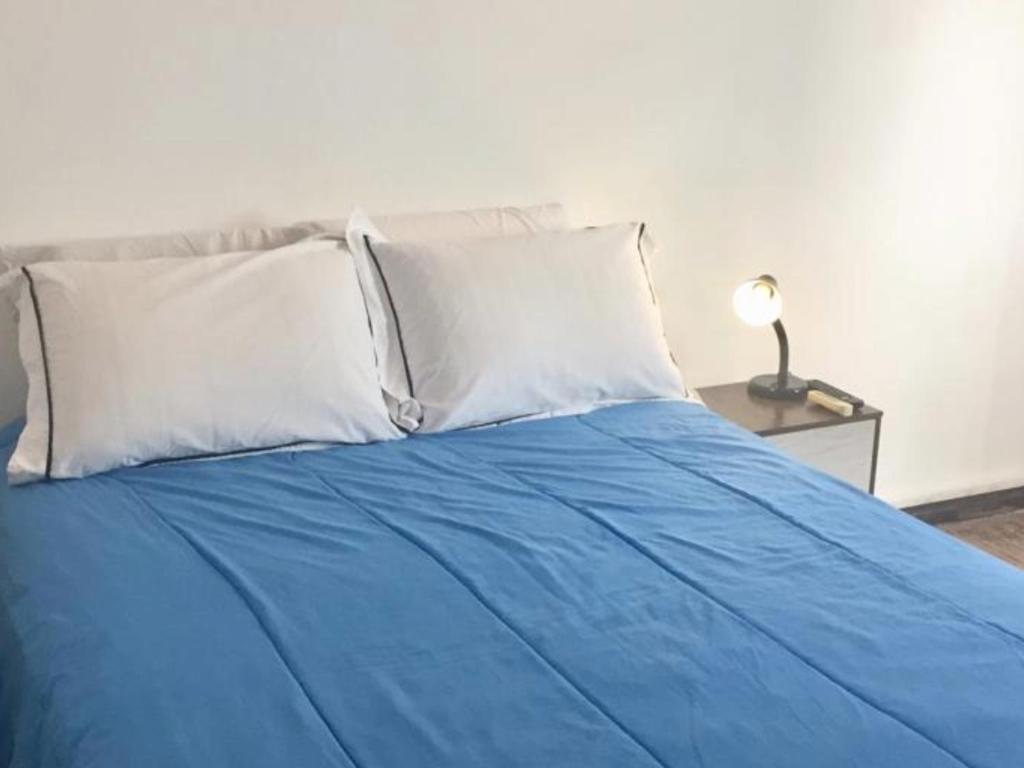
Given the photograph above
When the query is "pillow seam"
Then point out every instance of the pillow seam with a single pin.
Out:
(46, 370)
(373, 337)
(654, 300)
(394, 314)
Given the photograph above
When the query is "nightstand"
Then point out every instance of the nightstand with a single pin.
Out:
(846, 447)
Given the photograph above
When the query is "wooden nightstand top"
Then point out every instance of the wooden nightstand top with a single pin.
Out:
(774, 417)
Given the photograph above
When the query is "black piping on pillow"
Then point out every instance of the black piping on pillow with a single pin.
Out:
(394, 314)
(46, 370)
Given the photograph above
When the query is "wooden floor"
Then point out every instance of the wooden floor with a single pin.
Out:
(1002, 535)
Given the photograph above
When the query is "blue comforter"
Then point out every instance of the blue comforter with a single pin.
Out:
(645, 585)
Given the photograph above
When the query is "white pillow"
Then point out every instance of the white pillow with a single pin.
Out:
(449, 225)
(500, 328)
(131, 362)
(175, 244)
(456, 225)
(13, 385)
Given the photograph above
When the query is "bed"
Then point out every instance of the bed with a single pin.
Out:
(643, 585)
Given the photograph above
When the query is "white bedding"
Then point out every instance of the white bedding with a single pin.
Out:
(160, 359)
(496, 329)
(459, 223)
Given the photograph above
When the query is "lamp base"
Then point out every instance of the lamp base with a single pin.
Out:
(767, 386)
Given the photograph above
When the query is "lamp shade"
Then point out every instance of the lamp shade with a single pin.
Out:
(758, 301)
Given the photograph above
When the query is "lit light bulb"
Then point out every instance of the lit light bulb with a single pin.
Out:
(758, 302)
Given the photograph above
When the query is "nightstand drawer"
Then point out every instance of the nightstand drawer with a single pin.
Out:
(843, 450)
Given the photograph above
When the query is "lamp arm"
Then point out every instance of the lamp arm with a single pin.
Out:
(780, 334)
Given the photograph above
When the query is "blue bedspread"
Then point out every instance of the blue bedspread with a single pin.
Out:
(645, 585)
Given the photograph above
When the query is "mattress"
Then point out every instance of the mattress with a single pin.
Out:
(644, 585)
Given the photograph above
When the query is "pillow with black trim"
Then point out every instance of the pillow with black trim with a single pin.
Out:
(503, 328)
(144, 361)
(13, 386)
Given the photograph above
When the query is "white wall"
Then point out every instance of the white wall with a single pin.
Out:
(868, 153)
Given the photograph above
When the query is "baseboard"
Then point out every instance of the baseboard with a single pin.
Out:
(969, 507)
(953, 492)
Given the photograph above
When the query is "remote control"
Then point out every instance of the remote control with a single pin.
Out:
(834, 404)
(835, 392)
